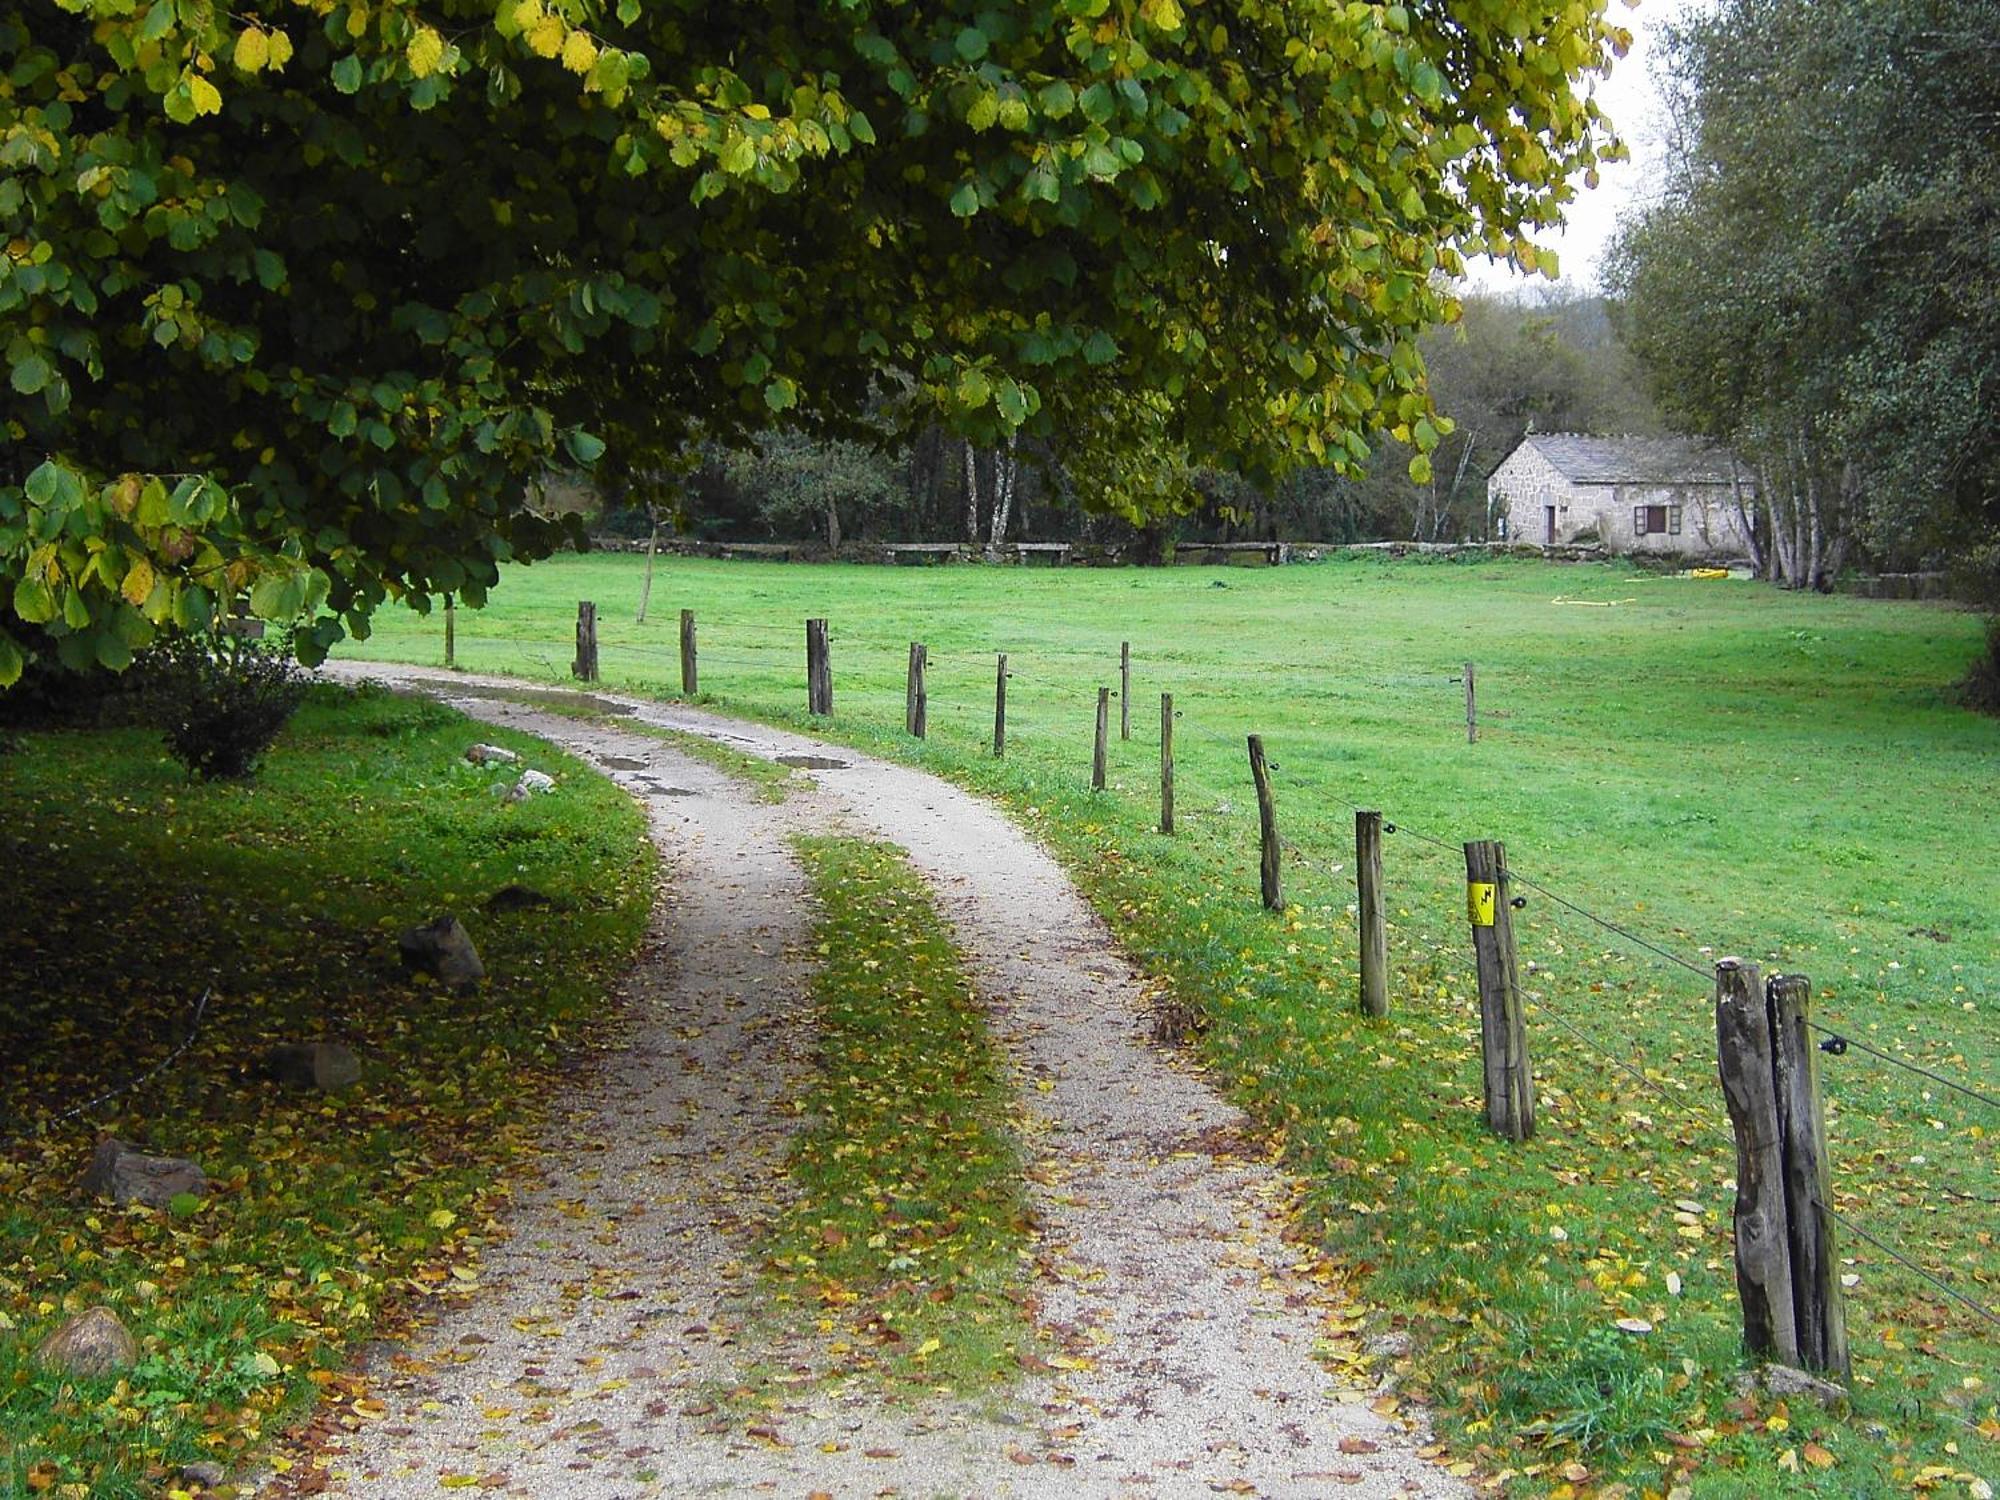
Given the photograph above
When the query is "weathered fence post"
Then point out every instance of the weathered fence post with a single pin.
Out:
(1103, 727)
(1786, 1267)
(1471, 705)
(690, 678)
(1749, 1087)
(1166, 762)
(819, 670)
(450, 631)
(1267, 821)
(585, 665)
(916, 701)
(1820, 1308)
(1000, 708)
(1503, 1036)
(1124, 690)
(1368, 897)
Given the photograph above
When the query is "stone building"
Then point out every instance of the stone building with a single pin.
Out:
(1626, 494)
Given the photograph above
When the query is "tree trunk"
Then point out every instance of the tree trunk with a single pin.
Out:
(1006, 474)
(1816, 551)
(652, 546)
(971, 493)
(832, 525)
(1743, 521)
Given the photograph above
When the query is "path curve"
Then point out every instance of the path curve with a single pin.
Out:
(618, 1297)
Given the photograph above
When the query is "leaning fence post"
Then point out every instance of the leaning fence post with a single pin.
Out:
(1745, 1060)
(1503, 1036)
(916, 701)
(1368, 897)
(1471, 705)
(1267, 823)
(689, 675)
(1166, 762)
(1000, 708)
(585, 665)
(1097, 753)
(1124, 690)
(1819, 1307)
(450, 632)
(819, 670)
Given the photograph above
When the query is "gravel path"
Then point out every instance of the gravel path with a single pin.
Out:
(587, 1364)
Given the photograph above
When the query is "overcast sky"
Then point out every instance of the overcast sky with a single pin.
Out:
(1629, 97)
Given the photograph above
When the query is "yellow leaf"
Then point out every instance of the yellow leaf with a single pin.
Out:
(206, 100)
(138, 583)
(545, 37)
(929, 1346)
(253, 49)
(442, 1218)
(527, 14)
(424, 51)
(281, 48)
(1819, 1457)
(579, 52)
(458, 1481)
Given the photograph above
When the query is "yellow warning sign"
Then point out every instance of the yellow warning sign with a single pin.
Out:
(1479, 902)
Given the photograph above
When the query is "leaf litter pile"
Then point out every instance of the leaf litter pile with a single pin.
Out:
(330, 1218)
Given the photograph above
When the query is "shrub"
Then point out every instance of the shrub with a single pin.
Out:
(1981, 687)
(221, 700)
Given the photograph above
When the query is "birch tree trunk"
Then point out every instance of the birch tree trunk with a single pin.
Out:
(1816, 545)
(1743, 521)
(971, 493)
(1006, 474)
(832, 525)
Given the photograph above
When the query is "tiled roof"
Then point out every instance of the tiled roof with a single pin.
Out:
(1633, 460)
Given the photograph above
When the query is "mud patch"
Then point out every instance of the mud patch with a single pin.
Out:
(812, 762)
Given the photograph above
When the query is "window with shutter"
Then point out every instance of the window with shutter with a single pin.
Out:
(1638, 520)
(1674, 520)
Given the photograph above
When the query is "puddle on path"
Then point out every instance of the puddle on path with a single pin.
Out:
(533, 697)
(812, 762)
(622, 763)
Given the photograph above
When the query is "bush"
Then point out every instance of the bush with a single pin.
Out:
(221, 699)
(1981, 687)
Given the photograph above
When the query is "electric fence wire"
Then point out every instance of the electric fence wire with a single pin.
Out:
(1680, 1105)
(1840, 1042)
(179, 1051)
(1909, 1265)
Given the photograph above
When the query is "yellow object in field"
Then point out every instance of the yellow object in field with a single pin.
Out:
(1708, 572)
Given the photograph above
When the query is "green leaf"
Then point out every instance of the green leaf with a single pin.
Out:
(1420, 469)
(1100, 348)
(34, 601)
(965, 202)
(1057, 99)
(971, 44)
(584, 447)
(781, 394)
(12, 663)
(347, 74)
(32, 373)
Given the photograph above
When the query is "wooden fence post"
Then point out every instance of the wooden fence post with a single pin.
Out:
(1125, 690)
(1103, 727)
(585, 665)
(1749, 1087)
(1166, 762)
(1471, 705)
(1819, 1306)
(690, 678)
(450, 631)
(1000, 708)
(1267, 821)
(1368, 897)
(1503, 1037)
(916, 701)
(819, 670)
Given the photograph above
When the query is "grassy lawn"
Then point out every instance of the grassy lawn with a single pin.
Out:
(331, 1219)
(1720, 767)
(904, 1244)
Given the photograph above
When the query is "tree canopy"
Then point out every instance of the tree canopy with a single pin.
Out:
(299, 297)
(1819, 283)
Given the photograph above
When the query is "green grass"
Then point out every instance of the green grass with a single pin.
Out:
(903, 1248)
(331, 1220)
(1720, 766)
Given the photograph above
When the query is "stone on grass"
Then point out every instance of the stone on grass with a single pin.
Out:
(327, 1066)
(125, 1174)
(206, 1473)
(481, 755)
(536, 781)
(1786, 1382)
(443, 949)
(89, 1346)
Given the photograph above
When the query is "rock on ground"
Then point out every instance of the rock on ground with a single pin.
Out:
(125, 1174)
(443, 949)
(89, 1346)
(329, 1067)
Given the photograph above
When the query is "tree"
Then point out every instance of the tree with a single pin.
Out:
(1819, 285)
(299, 299)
